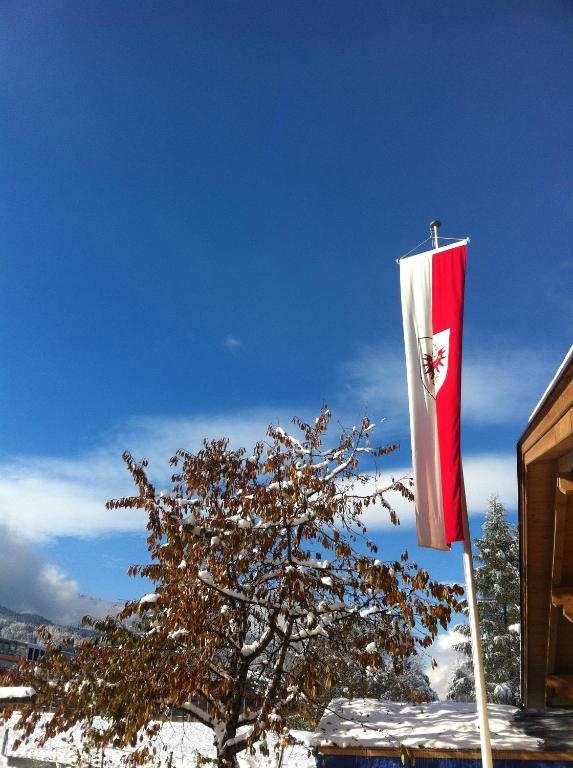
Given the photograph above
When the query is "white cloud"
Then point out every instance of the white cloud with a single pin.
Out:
(43, 498)
(233, 344)
(443, 652)
(30, 583)
(490, 473)
(484, 474)
(376, 376)
(501, 382)
(46, 498)
(158, 438)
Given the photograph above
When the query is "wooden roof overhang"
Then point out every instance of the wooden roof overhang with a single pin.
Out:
(545, 483)
(448, 754)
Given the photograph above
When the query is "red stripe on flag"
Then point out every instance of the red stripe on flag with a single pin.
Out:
(448, 277)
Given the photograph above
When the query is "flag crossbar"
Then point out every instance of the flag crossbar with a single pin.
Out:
(458, 242)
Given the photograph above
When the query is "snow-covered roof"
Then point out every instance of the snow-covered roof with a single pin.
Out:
(374, 724)
(16, 693)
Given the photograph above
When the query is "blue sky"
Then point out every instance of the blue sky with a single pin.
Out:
(201, 207)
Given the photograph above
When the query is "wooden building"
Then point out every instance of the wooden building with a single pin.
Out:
(545, 477)
(13, 651)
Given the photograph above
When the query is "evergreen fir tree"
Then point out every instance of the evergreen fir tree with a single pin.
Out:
(497, 586)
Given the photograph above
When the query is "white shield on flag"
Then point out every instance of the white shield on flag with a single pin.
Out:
(433, 357)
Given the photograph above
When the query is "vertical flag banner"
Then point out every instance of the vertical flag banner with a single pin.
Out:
(432, 289)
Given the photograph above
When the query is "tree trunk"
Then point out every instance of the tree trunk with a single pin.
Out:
(226, 761)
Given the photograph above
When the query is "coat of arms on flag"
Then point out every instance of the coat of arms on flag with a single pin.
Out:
(434, 354)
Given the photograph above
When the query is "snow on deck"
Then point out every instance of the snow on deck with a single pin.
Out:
(13, 693)
(178, 744)
(370, 723)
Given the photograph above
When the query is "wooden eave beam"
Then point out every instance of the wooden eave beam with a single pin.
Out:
(550, 424)
(565, 483)
(562, 685)
(457, 754)
(15, 702)
(562, 597)
(565, 464)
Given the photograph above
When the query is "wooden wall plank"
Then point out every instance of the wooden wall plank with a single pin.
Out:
(557, 569)
(540, 501)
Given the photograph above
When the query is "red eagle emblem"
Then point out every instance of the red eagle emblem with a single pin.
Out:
(432, 364)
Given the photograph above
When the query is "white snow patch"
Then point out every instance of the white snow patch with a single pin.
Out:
(149, 599)
(249, 648)
(370, 723)
(181, 744)
(11, 693)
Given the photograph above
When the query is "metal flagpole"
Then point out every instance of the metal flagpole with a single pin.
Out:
(479, 675)
(434, 226)
(477, 654)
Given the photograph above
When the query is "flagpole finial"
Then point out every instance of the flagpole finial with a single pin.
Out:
(434, 227)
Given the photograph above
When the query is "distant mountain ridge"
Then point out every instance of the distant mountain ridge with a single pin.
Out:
(24, 627)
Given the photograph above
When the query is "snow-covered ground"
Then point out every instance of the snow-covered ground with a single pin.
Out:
(178, 744)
